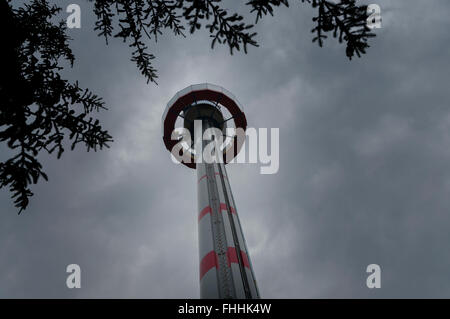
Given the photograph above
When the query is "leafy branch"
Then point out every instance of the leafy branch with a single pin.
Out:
(345, 19)
(38, 107)
(148, 18)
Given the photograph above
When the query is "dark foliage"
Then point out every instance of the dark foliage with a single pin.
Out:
(137, 19)
(36, 103)
(38, 108)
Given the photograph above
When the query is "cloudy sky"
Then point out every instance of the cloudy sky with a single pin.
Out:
(364, 168)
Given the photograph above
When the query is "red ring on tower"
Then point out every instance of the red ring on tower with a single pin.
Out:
(203, 92)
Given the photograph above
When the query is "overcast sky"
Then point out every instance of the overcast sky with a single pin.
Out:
(364, 168)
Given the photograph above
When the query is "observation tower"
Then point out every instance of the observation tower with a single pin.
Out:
(225, 267)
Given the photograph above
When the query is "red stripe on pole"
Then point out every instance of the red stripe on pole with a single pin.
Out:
(223, 206)
(208, 262)
(202, 178)
(206, 210)
(216, 173)
(205, 176)
(245, 259)
(232, 257)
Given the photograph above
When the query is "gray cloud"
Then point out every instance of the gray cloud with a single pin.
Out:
(364, 168)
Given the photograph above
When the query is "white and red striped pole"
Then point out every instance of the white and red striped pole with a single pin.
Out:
(225, 267)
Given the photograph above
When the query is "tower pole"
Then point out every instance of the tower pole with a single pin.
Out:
(225, 268)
